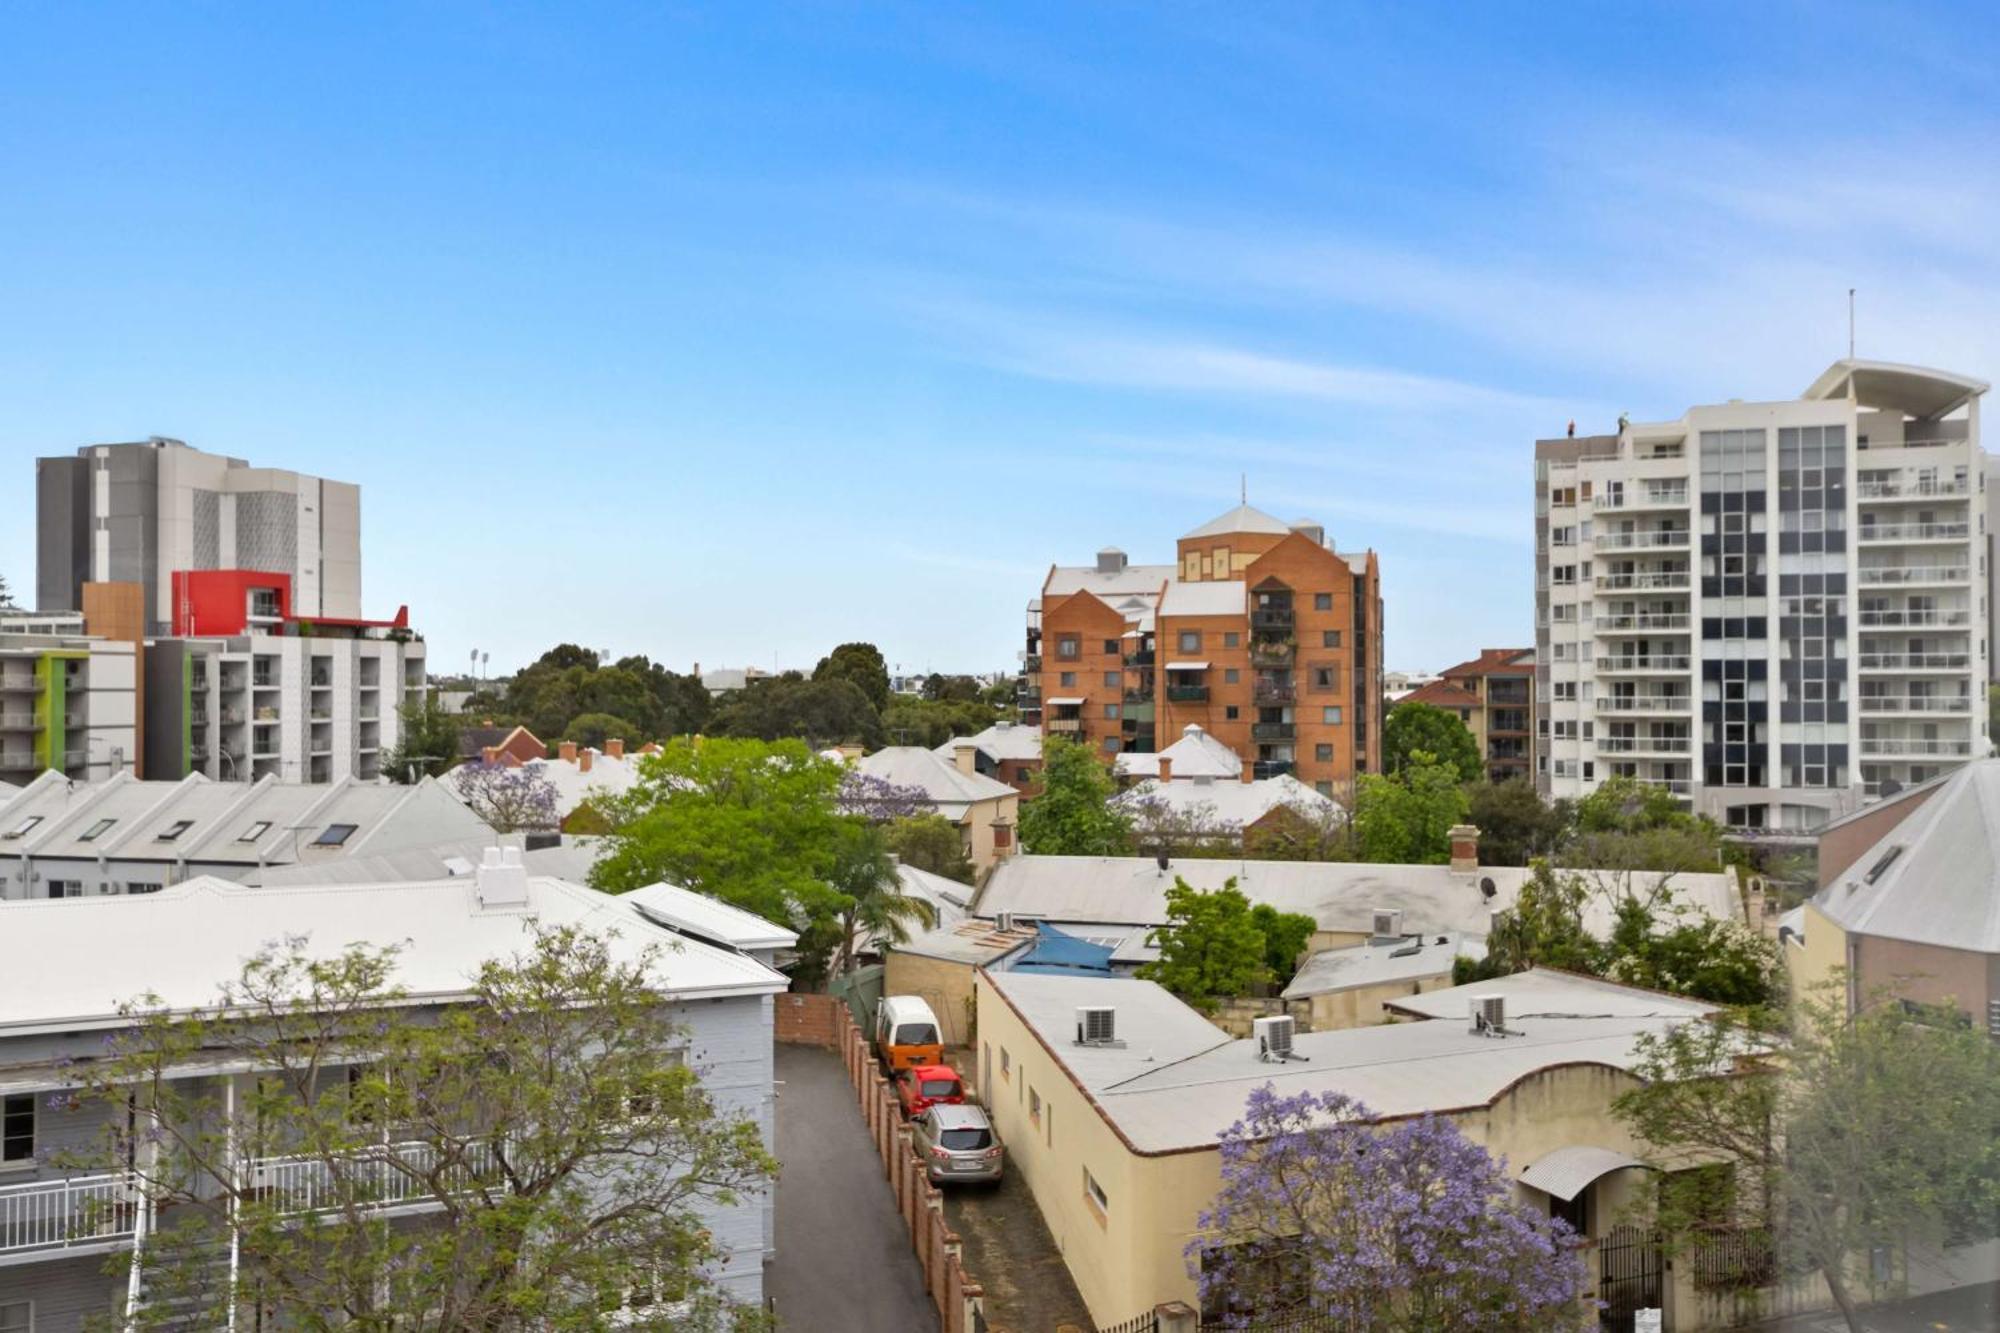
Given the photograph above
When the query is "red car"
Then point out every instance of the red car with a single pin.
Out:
(921, 1087)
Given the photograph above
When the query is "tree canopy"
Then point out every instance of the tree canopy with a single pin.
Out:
(1073, 814)
(1210, 949)
(1414, 728)
(1408, 1227)
(1848, 1132)
(566, 1150)
(511, 798)
(822, 713)
(1515, 824)
(1406, 818)
(930, 842)
(426, 743)
(568, 688)
(862, 665)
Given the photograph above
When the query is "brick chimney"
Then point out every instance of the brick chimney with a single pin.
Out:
(614, 747)
(966, 755)
(1249, 772)
(650, 747)
(1464, 848)
(566, 752)
(583, 759)
(1166, 768)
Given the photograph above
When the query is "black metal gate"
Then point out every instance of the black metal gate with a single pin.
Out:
(1628, 1265)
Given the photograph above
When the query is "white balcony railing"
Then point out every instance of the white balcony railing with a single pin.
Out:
(1913, 574)
(1911, 703)
(1643, 744)
(63, 1214)
(1914, 746)
(1646, 703)
(1901, 619)
(1660, 622)
(1655, 663)
(1626, 541)
(1675, 497)
(1909, 490)
(1673, 578)
(389, 1176)
(1915, 661)
(1678, 786)
(1914, 532)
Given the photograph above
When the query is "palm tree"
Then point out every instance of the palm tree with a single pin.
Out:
(874, 907)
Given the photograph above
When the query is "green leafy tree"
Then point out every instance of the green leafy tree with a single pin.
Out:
(1414, 728)
(1406, 819)
(930, 842)
(1544, 928)
(1629, 825)
(564, 1148)
(1848, 1132)
(871, 906)
(1073, 814)
(822, 713)
(6, 594)
(751, 822)
(1515, 824)
(862, 665)
(1210, 948)
(426, 742)
(951, 689)
(930, 723)
(1322, 833)
(682, 700)
(594, 729)
(1286, 935)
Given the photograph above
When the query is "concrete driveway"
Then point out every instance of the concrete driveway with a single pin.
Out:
(844, 1262)
(1007, 1247)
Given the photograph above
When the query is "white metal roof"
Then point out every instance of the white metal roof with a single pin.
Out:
(1133, 580)
(1565, 1172)
(1195, 755)
(1936, 875)
(1219, 597)
(1178, 1082)
(571, 860)
(1915, 390)
(184, 941)
(608, 775)
(940, 780)
(1003, 742)
(1227, 800)
(692, 913)
(1243, 518)
(1334, 970)
(1340, 896)
(1546, 993)
(247, 823)
(1187, 666)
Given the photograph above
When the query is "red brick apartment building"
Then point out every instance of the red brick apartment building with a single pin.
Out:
(1260, 631)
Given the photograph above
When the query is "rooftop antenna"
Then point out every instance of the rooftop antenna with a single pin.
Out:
(1243, 480)
(1850, 323)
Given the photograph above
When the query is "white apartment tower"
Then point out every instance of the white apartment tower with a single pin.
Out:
(1775, 610)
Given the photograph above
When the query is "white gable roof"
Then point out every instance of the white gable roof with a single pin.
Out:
(1003, 742)
(1935, 877)
(940, 780)
(1228, 801)
(1243, 518)
(1195, 755)
(692, 913)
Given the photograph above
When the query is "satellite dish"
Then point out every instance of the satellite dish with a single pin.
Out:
(1487, 887)
(1889, 787)
(1164, 861)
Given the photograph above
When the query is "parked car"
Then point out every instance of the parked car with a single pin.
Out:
(906, 1032)
(922, 1086)
(957, 1142)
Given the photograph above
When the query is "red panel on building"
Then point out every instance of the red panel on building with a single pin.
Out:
(217, 601)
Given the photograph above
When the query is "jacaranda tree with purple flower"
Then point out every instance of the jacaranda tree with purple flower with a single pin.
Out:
(512, 798)
(1405, 1227)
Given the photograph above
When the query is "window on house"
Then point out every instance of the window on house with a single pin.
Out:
(1231, 639)
(1329, 638)
(1068, 679)
(1230, 676)
(1003, 836)
(1323, 753)
(1324, 787)
(1095, 1192)
(65, 888)
(1111, 711)
(1325, 677)
(1006, 1063)
(22, 829)
(256, 831)
(1113, 679)
(336, 835)
(1110, 744)
(1111, 647)
(1322, 601)
(95, 831)
(17, 1317)
(17, 1128)
(1069, 645)
(1024, 774)
(1189, 640)
(146, 887)
(1331, 715)
(1034, 1108)
(175, 829)
(1229, 712)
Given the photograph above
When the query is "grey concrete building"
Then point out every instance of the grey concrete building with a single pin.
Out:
(138, 512)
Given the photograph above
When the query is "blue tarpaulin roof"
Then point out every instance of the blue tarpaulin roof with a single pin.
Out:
(1055, 951)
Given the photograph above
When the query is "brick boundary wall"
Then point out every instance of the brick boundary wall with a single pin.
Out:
(805, 1019)
(824, 1020)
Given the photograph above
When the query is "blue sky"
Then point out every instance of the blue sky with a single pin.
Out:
(728, 333)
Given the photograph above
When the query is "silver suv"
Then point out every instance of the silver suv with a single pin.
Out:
(958, 1143)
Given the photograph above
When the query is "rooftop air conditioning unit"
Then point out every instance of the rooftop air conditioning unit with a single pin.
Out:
(1388, 924)
(1489, 1015)
(1004, 921)
(1096, 1025)
(1274, 1037)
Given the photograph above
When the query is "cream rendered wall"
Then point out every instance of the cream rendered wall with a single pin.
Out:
(1362, 1006)
(1823, 954)
(978, 825)
(340, 549)
(944, 985)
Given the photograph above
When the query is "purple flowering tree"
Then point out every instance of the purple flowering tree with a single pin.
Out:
(1400, 1228)
(879, 800)
(512, 799)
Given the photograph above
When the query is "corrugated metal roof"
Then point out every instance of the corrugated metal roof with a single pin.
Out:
(1565, 1172)
(1936, 875)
